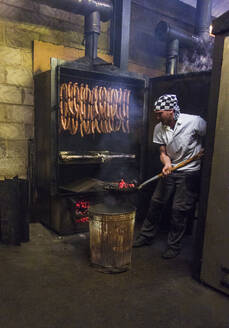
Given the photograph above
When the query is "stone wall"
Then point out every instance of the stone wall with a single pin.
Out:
(22, 22)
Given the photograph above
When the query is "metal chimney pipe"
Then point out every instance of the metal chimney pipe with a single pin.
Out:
(173, 36)
(92, 31)
(172, 57)
(83, 7)
(165, 32)
(93, 10)
(174, 39)
(203, 18)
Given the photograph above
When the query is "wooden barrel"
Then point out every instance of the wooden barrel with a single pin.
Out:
(111, 237)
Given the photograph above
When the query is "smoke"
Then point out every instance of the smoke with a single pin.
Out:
(196, 61)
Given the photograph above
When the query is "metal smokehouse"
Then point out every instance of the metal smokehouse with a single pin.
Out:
(89, 132)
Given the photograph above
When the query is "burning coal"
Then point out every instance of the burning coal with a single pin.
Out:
(81, 211)
(124, 185)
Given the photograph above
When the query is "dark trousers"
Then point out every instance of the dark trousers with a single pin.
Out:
(183, 188)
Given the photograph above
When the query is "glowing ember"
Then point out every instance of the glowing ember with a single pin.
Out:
(81, 209)
(86, 219)
(124, 185)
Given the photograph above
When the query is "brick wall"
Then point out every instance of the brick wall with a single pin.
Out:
(16, 103)
(22, 22)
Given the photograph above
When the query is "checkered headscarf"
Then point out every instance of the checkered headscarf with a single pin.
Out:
(168, 102)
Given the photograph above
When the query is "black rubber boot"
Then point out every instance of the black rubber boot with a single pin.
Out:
(142, 241)
(170, 253)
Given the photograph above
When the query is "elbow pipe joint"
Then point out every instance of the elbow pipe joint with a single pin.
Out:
(83, 7)
(164, 32)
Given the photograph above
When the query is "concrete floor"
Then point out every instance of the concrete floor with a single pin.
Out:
(48, 283)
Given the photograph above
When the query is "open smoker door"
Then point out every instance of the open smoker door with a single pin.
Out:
(192, 91)
(215, 259)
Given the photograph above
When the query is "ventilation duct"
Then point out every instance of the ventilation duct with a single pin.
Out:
(91, 32)
(175, 38)
(83, 7)
(94, 11)
(203, 18)
(165, 32)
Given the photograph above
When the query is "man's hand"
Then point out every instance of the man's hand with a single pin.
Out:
(166, 169)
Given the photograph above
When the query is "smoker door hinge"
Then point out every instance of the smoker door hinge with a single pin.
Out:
(225, 277)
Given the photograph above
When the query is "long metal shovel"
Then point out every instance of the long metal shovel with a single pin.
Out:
(187, 161)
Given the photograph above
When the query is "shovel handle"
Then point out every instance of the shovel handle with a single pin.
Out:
(187, 161)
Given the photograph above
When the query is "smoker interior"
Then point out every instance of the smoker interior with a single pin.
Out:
(82, 167)
(97, 149)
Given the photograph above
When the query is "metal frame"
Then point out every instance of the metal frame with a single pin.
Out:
(121, 36)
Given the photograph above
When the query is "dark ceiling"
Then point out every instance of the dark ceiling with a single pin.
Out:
(218, 6)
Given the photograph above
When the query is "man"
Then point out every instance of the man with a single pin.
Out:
(179, 138)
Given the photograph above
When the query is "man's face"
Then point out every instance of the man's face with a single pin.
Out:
(166, 117)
